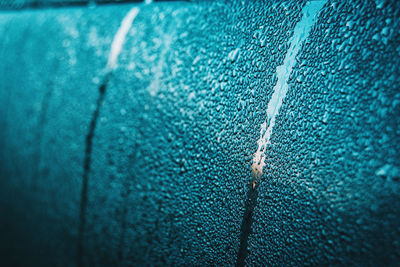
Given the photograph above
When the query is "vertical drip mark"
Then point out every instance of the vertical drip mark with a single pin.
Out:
(119, 39)
(39, 136)
(247, 221)
(86, 170)
(116, 48)
(155, 84)
(126, 193)
(301, 32)
(40, 170)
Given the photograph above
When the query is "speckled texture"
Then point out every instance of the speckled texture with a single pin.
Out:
(326, 196)
(177, 130)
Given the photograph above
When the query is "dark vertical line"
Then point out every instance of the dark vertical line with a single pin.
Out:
(86, 170)
(41, 125)
(42, 122)
(245, 229)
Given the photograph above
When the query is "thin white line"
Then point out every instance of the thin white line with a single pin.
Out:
(301, 32)
(119, 39)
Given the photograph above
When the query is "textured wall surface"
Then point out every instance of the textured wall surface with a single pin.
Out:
(150, 163)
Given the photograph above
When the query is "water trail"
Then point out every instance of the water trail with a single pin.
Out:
(245, 229)
(112, 63)
(301, 32)
(119, 39)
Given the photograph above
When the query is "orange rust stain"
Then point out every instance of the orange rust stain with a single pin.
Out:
(254, 184)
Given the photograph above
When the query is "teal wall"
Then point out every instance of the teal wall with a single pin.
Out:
(170, 174)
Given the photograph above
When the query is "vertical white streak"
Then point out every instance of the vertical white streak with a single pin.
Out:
(119, 38)
(155, 84)
(301, 32)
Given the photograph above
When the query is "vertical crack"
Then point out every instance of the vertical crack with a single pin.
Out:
(251, 202)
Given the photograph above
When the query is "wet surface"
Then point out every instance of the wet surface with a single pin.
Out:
(175, 134)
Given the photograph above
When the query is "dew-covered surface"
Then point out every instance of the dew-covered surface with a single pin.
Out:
(327, 197)
(177, 131)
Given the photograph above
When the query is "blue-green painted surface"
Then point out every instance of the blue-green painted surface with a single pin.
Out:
(177, 131)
